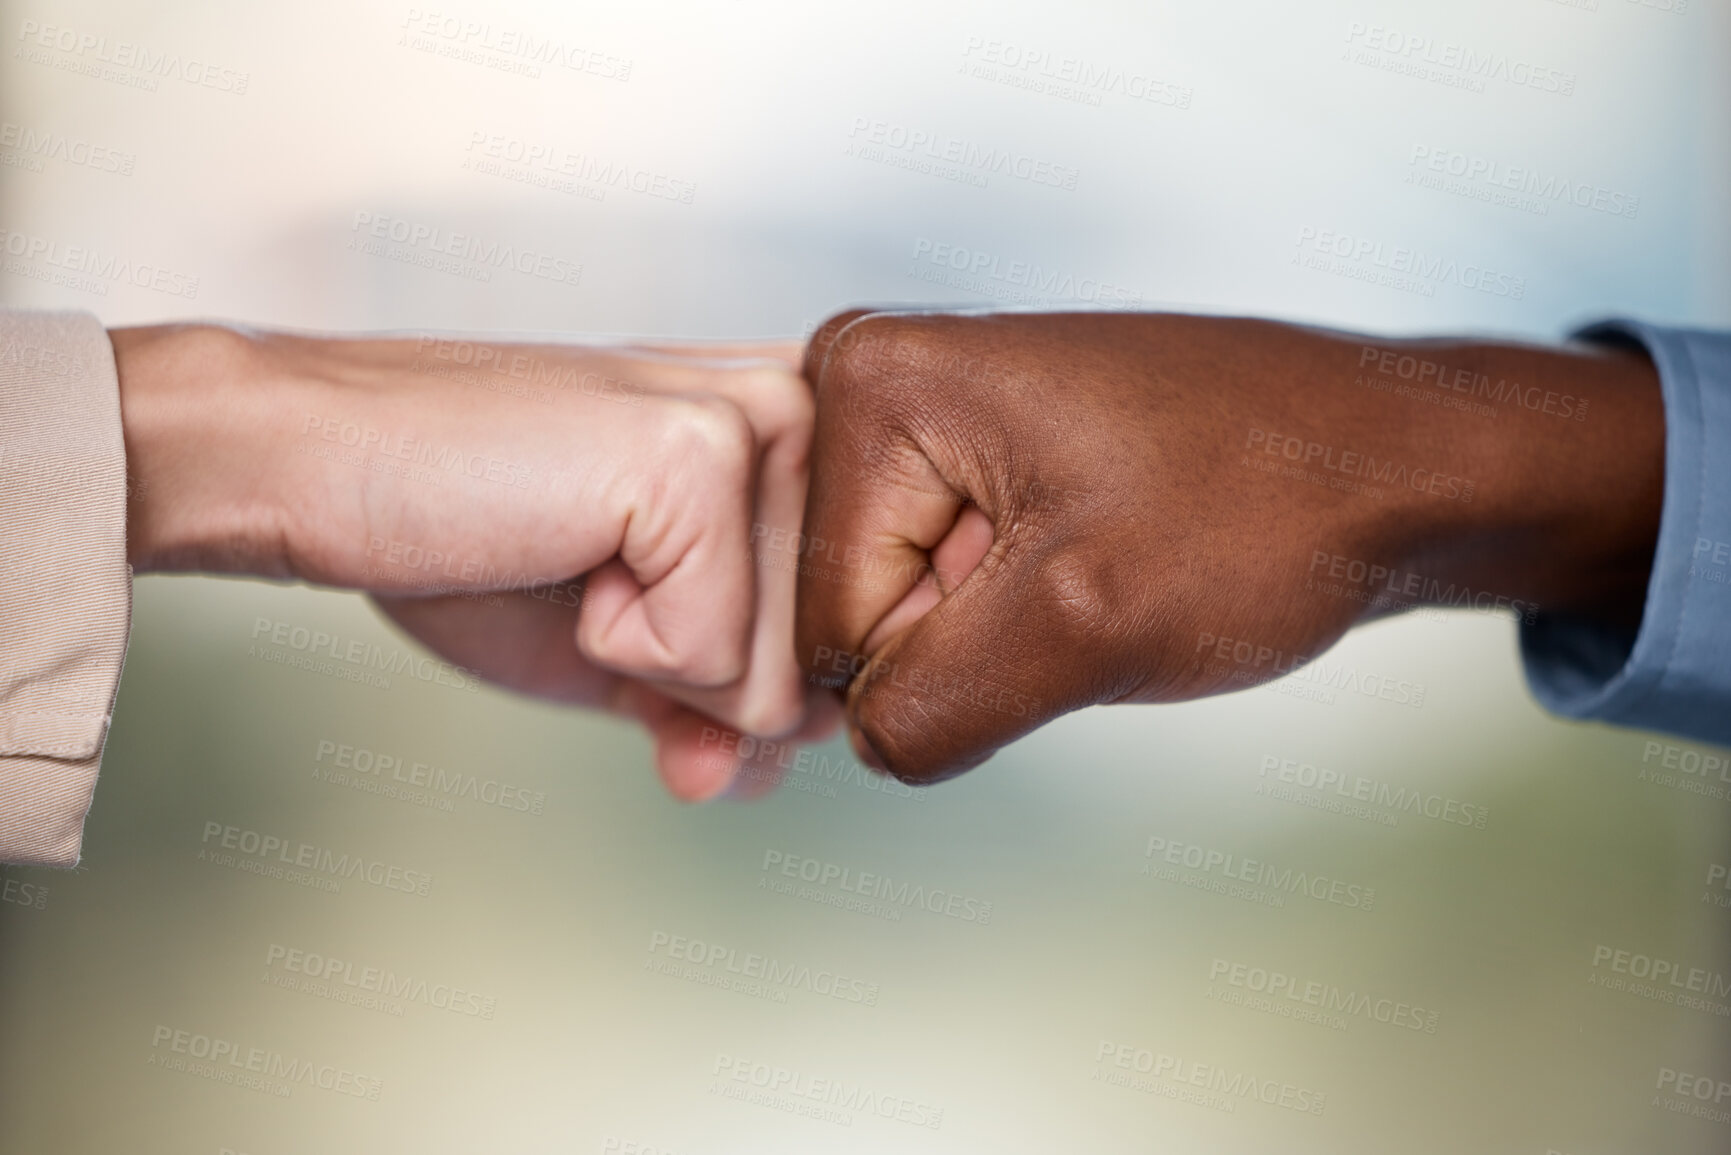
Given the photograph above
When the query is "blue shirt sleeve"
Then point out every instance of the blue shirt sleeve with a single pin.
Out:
(1674, 673)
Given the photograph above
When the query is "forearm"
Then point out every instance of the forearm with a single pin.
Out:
(1466, 471)
(1563, 449)
(204, 461)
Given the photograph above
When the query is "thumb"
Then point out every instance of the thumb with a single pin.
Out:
(980, 668)
(953, 559)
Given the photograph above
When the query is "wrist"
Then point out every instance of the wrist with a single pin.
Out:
(1565, 449)
(197, 413)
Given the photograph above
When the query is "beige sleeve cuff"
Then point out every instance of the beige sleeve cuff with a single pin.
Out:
(65, 587)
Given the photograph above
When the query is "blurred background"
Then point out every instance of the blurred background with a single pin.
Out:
(1297, 919)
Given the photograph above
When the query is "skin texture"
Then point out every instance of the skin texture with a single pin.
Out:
(1025, 514)
(585, 539)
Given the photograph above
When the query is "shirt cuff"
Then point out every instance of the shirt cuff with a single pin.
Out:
(65, 587)
(1673, 674)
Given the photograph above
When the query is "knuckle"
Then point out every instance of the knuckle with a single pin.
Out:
(1088, 603)
(599, 647)
(596, 641)
(596, 646)
(701, 662)
(714, 431)
(897, 724)
(719, 655)
(773, 713)
(705, 666)
(884, 342)
(852, 355)
(880, 370)
(782, 402)
(695, 665)
(824, 338)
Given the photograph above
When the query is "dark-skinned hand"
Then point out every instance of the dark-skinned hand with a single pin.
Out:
(1014, 516)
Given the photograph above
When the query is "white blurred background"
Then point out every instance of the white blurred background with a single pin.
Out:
(744, 169)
